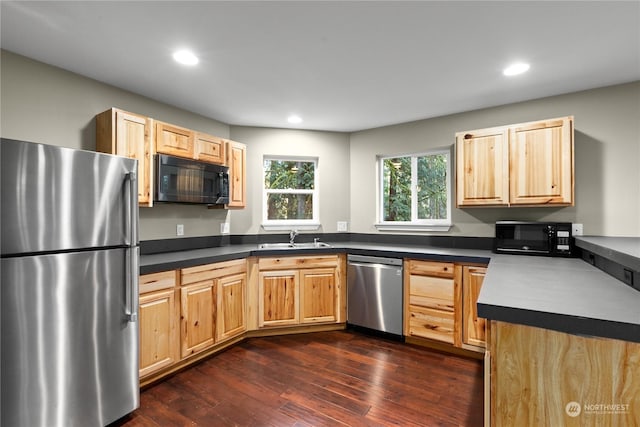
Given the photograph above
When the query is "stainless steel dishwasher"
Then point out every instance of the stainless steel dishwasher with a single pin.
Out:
(374, 293)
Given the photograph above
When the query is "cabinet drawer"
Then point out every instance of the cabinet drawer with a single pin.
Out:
(212, 271)
(432, 287)
(434, 303)
(157, 281)
(298, 262)
(426, 268)
(432, 324)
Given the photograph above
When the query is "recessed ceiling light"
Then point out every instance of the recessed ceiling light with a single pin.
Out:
(515, 69)
(185, 57)
(294, 119)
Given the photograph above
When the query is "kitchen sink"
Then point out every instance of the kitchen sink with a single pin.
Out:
(310, 245)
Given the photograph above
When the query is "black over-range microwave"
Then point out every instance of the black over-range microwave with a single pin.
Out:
(534, 238)
(181, 180)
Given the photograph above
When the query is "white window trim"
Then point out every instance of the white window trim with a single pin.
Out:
(415, 224)
(290, 224)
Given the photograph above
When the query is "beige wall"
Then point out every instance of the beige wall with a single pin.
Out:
(332, 151)
(46, 104)
(607, 157)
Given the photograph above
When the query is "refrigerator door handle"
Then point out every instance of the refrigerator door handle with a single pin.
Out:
(131, 212)
(131, 284)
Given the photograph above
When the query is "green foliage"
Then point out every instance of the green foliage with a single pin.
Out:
(289, 175)
(431, 187)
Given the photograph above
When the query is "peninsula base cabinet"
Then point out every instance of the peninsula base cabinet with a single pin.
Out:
(541, 377)
(440, 303)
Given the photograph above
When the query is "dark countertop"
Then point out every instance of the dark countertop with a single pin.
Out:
(564, 294)
(623, 250)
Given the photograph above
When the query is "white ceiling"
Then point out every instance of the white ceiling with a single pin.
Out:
(341, 66)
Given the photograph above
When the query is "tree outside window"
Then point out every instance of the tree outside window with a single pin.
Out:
(415, 189)
(290, 191)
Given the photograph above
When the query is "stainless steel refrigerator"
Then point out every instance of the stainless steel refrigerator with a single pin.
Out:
(69, 287)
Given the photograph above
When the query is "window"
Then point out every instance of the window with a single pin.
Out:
(290, 193)
(414, 191)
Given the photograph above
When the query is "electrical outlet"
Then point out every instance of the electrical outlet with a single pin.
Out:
(224, 228)
(180, 230)
(576, 229)
(342, 226)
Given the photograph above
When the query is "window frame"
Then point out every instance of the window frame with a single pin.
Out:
(290, 224)
(415, 224)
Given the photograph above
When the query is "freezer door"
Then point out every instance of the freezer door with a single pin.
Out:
(56, 198)
(69, 347)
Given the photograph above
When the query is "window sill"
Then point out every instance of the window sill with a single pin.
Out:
(291, 226)
(412, 227)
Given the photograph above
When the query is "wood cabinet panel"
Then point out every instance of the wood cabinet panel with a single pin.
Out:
(541, 156)
(318, 295)
(129, 135)
(433, 324)
(174, 140)
(204, 272)
(198, 317)
(435, 289)
(536, 372)
(237, 162)
(278, 298)
(209, 148)
(429, 268)
(482, 176)
(158, 335)
(474, 327)
(231, 306)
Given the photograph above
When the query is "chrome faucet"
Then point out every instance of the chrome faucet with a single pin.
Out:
(292, 236)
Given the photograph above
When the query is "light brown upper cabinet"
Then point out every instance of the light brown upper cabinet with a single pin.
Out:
(237, 162)
(209, 148)
(526, 164)
(174, 140)
(129, 135)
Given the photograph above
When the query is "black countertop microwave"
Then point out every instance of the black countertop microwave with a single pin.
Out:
(534, 238)
(181, 180)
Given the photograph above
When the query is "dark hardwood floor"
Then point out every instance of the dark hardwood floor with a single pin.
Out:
(319, 379)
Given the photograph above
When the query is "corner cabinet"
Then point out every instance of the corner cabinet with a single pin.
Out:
(526, 164)
(129, 135)
(300, 290)
(237, 162)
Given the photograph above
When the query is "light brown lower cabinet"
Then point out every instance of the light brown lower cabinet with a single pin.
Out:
(232, 318)
(158, 322)
(440, 303)
(197, 317)
(300, 290)
(541, 377)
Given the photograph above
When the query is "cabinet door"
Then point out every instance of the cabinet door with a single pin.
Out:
(542, 163)
(278, 302)
(482, 173)
(473, 327)
(158, 338)
(231, 306)
(318, 295)
(174, 140)
(236, 160)
(209, 149)
(197, 320)
(128, 135)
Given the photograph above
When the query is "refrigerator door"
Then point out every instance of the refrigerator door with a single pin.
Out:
(56, 198)
(69, 349)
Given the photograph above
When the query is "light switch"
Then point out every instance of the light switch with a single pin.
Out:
(180, 230)
(342, 226)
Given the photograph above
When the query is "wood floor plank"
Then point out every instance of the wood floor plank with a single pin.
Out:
(338, 378)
